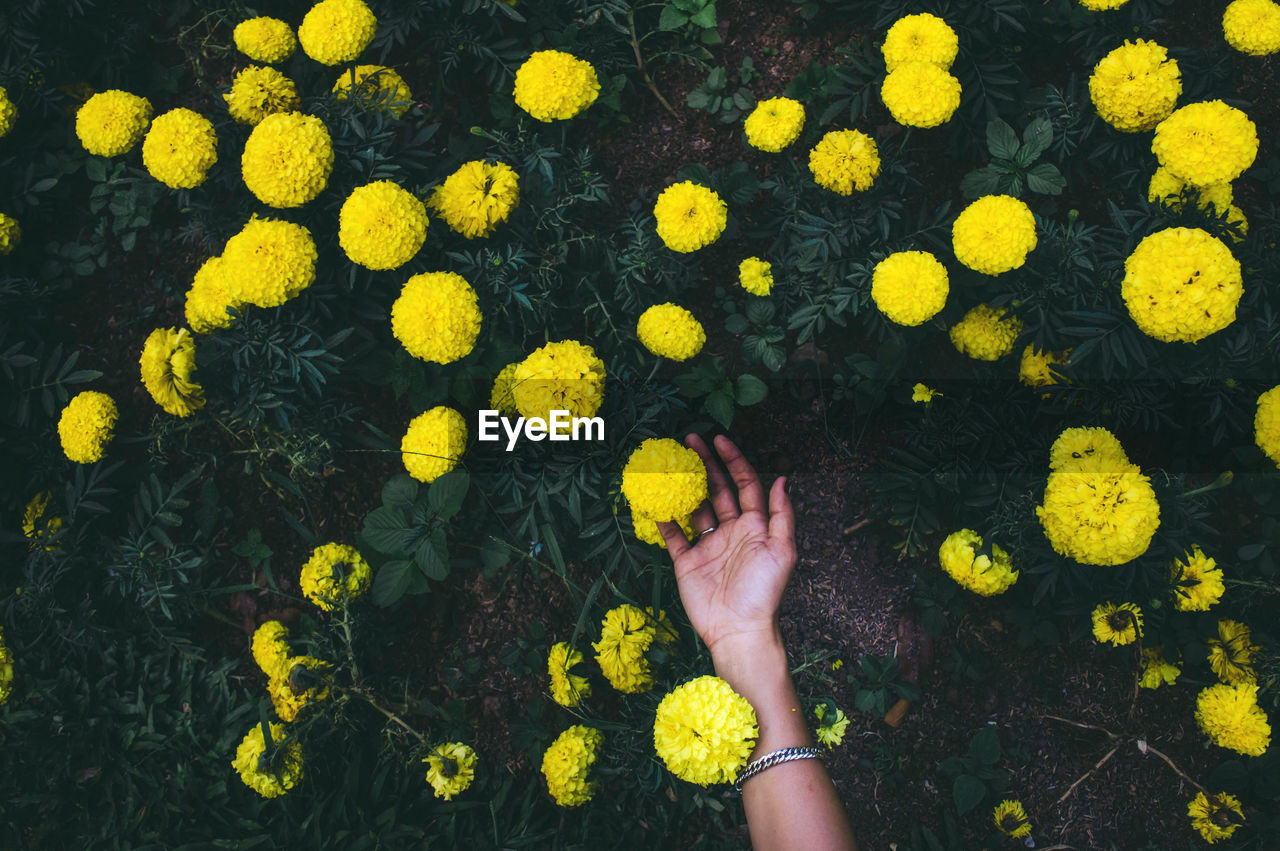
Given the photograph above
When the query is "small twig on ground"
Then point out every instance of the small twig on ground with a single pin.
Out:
(1085, 776)
(1110, 735)
(1146, 748)
(849, 530)
(640, 66)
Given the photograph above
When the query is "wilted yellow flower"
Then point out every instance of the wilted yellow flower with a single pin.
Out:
(985, 333)
(625, 637)
(561, 376)
(375, 85)
(451, 768)
(830, 731)
(335, 574)
(845, 160)
(1117, 625)
(268, 262)
(1215, 817)
(433, 443)
(180, 148)
(436, 317)
(35, 526)
(774, 124)
(477, 197)
(923, 393)
(87, 425)
(337, 31)
(259, 91)
(1155, 670)
(756, 276)
(670, 331)
(270, 648)
(1252, 26)
(110, 123)
(566, 689)
(1266, 424)
(553, 85)
(1231, 653)
(269, 777)
(664, 480)
(704, 731)
(689, 216)
(381, 226)
(1197, 582)
(209, 298)
(287, 160)
(567, 764)
(265, 39)
(965, 559)
(920, 38)
(1011, 819)
(1231, 718)
(1206, 143)
(10, 234)
(168, 371)
(1036, 368)
(920, 94)
(299, 681)
(1135, 86)
(1181, 285)
(994, 234)
(910, 287)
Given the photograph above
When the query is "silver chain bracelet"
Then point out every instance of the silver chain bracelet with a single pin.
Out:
(777, 757)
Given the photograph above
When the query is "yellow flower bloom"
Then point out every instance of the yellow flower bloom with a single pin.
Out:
(1011, 819)
(704, 731)
(1197, 582)
(553, 85)
(625, 637)
(1117, 625)
(567, 764)
(563, 376)
(10, 234)
(920, 38)
(1206, 143)
(664, 480)
(209, 298)
(477, 197)
(1252, 26)
(756, 276)
(8, 112)
(830, 732)
(963, 557)
(110, 123)
(288, 158)
(299, 681)
(259, 91)
(994, 234)
(1087, 450)
(433, 443)
(1102, 5)
(270, 648)
(1266, 424)
(87, 425)
(335, 574)
(566, 689)
(1167, 188)
(910, 287)
(337, 31)
(670, 331)
(1231, 718)
(35, 526)
(845, 160)
(381, 226)
(1215, 817)
(168, 371)
(646, 530)
(920, 94)
(269, 776)
(1155, 670)
(6, 670)
(1231, 653)
(1036, 368)
(689, 216)
(451, 768)
(180, 148)
(265, 39)
(436, 317)
(377, 86)
(501, 397)
(923, 394)
(1181, 285)
(985, 333)
(268, 262)
(1135, 86)
(774, 124)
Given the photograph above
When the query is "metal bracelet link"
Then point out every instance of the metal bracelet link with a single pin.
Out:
(777, 757)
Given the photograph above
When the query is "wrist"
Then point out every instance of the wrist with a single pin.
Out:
(754, 664)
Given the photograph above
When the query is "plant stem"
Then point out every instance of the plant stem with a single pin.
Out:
(648, 81)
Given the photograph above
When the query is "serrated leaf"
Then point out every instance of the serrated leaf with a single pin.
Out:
(400, 491)
(672, 18)
(1002, 140)
(447, 493)
(387, 530)
(391, 582)
(1046, 179)
(968, 791)
(750, 390)
(1036, 138)
(720, 406)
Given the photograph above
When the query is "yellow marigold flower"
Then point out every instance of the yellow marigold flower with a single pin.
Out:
(625, 637)
(1197, 582)
(168, 371)
(845, 160)
(1117, 625)
(670, 331)
(335, 574)
(35, 526)
(1167, 188)
(705, 731)
(1102, 5)
(1156, 671)
(6, 670)
(567, 764)
(920, 94)
(272, 776)
(1266, 424)
(8, 112)
(477, 197)
(647, 532)
(566, 689)
(180, 148)
(87, 425)
(830, 732)
(1230, 716)
(433, 443)
(299, 681)
(1036, 368)
(563, 376)
(265, 39)
(377, 86)
(209, 298)
(1206, 143)
(501, 398)
(689, 216)
(259, 91)
(922, 393)
(1215, 817)
(910, 287)
(985, 333)
(1252, 26)
(436, 317)
(965, 560)
(1231, 653)
(774, 124)
(756, 276)
(664, 480)
(553, 85)
(451, 768)
(268, 262)
(1011, 819)
(287, 160)
(10, 234)
(270, 648)
(920, 38)
(337, 31)
(381, 226)
(1135, 86)
(1181, 285)
(110, 123)
(994, 234)
(1087, 450)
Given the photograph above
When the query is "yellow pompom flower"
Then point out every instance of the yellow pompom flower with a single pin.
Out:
(1266, 424)
(704, 731)
(209, 298)
(566, 689)
(433, 443)
(845, 160)
(168, 371)
(6, 670)
(110, 123)
(1135, 86)
(1231, 653)
(451, 768)
(8, 112)
(920, 38)
(501, 398)
(436, 317)
(180, 148)
(477, 197)
(259, 91)
(287, 160)
(563, 376)
(920, 94)
(10, 234)
(272, 776)
(268, 262)
(1197, 581)
(664, 480)
(756, 276)
(910, 287)
(1252, 26)
(337, 31)
(1117, 625)
(1155, 670)
(1181, 285)
(270, 648)
(1102, 5)
(625, 637)
(1036, 368)
(923, 394)
(830, 732)
(299, 681)
(381, 226)
(774, 124)
(552, 85)
(1167, 188)
(985, 333)
(965, 559)
(35, 526)
(377, 86)
(1231, 718)
(1215, 817)
(335, 574)
(670, 331)
(1086, 450)
(646, 530)
(1206, 143)
(689, 216)
(87, 425)
(1010, 818)
(994, 234)
(265, 39)
(566, 765)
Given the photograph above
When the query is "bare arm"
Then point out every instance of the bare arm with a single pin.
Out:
(731, 583)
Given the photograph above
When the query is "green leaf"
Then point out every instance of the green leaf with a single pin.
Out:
(387, 530)
(429, 559)
(448, 492)
(1002, 141)
(1046, 179)
(750, 390)
(1036, 138)
(985, 746)
(698, 98)
(720, 407)
(493, 555)
(400, 491)
(672, 18)
(736, 323)
(982, 181)
(391, 582)
(706, 18)
(968, 791)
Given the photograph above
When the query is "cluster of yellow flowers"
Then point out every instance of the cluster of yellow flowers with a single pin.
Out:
(1167, 188)
(168, 365)
(689, 216)
(664, 480)
(625, 637)
(335, 574)
(756, 276)
(994, 234)
(337, 31)
(477, 197)
(265, 39)
(1117, 625)
(567, 689)
(1182, 284)
(180, 148)
(670, 331)
(560, 376)
(845, 160)
(450, 769)
(910, 287)
(1266, 424)
(293, 682)
(1206, 143)
(567, 765)
(704, 731)
(1135, 86)
(919, 89)
(1102, 5)
(985, 333)
(381, 226)
(1252, 26)
(1231, 718)
(37, 527)
(273, 776)
(259, 91)
(553, 85)
(287, 160)
(433, 443)
(375, 85)
(436, 317)
(983, 570)
(774, 124)
(87, 425)
(110, 123)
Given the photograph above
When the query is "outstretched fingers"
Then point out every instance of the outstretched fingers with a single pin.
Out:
(750, 493)
(782, 519)
(718, 490)
(677, 543)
